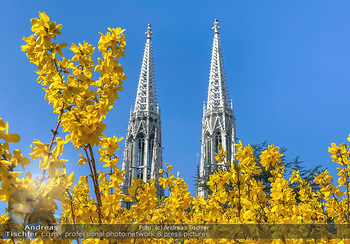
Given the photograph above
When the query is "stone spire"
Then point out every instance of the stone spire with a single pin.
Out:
(217, 91)
(143, 146)
(146, 92)
(218, 123)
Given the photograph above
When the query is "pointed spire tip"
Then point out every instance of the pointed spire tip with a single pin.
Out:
(149, 31)
(216, 26)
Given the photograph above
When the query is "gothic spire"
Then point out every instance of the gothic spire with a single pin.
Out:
(143, 143)
(218, 123)
(217, 91)
(146, 92)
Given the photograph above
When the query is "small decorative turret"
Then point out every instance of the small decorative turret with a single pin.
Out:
(197, 174)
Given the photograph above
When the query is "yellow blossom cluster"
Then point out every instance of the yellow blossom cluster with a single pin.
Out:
(82, 92)
(81, 100)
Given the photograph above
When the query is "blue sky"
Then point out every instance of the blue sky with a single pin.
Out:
(287, 68)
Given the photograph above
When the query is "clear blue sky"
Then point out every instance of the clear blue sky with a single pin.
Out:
(287, 67)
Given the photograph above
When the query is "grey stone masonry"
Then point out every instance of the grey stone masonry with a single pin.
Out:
(218, 123)
(143, 148)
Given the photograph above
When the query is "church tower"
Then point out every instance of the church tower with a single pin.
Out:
(218, 123)
(143, 149)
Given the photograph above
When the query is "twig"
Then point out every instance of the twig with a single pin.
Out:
(54, 134)
(92, 165)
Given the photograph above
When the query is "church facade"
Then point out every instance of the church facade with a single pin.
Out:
(143, 148)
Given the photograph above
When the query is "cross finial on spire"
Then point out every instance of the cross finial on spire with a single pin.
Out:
(216, 26)
(149, 31)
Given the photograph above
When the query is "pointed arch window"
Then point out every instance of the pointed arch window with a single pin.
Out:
(208, 143)
(218, 141)
(228, 143)
(140, 156)
(150, 156)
